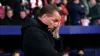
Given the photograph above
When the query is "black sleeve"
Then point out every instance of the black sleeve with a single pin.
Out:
(81, 10)
(37, 40)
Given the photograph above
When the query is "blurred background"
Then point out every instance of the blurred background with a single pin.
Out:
(79, 31)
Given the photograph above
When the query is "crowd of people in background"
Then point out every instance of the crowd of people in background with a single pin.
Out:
(73, 12)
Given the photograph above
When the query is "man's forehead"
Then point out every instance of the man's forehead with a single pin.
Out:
(57, 14)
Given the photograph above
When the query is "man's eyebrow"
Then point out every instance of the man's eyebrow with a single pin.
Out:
(58, 19)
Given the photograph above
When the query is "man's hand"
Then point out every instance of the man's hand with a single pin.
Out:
(56, 32)
(82, 6)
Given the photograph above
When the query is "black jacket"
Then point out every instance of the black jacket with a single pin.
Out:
(37, 39)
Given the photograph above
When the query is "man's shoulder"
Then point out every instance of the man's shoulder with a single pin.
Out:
(35, 30)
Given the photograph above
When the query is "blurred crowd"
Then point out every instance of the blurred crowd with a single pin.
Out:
(73, 12)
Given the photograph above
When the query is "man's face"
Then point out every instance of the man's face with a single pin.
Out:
(65, 2)
(22, 14)
(93, 2)
(10, 14)
(53, 21)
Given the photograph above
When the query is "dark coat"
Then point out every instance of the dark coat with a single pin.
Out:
(75, 13)
(9, 21)
(94, 13)
(37, 39)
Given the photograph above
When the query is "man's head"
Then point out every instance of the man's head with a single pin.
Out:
(65, 2)
(50, 16)
(23, 14)
(36, 11)
(92, 2)
(9, 13)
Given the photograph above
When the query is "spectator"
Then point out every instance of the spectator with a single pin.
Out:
(9, 19)
(62, 9)
(25, 4)
(67, 19)
(2, 15)
(76, 12)
(23, 16)
(98, 4)
(14, 4)
(85, 3)
(94, 13)
(35, 11)
(65, 2)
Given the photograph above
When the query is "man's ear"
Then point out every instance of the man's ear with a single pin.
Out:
(43, 16)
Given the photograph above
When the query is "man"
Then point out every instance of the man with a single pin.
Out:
(22, 17)
(38, 39)
(76, 12)
(10, 18)
(2, 15)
